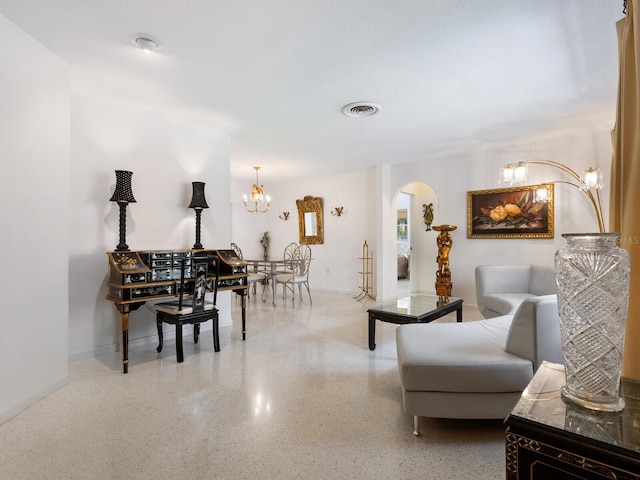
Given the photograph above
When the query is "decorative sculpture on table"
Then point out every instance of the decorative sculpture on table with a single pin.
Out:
(443, 275)
(265, 245)
(427, 213)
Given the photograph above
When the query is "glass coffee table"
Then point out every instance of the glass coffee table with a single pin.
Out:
(418, 308)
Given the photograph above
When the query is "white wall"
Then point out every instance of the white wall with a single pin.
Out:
(369, 198)
(34, 200)
(335, 262)
(165, 156)
(452, 177)
(59, 223)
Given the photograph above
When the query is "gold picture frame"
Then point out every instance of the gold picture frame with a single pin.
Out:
(516, 212)
(310, 222)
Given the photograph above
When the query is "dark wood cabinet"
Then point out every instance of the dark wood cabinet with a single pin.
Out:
(137, 277)
(548, 439)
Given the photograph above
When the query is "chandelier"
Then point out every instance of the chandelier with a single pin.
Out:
(586, 181)
(261, 202)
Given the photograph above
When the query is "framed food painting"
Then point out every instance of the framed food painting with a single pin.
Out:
(517, 212)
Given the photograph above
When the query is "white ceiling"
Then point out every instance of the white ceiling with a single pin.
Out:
(275, 74)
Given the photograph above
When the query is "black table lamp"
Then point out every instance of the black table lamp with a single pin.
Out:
(123, 195)
(198, 202)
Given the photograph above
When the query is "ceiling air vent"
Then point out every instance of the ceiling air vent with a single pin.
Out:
(361, 109)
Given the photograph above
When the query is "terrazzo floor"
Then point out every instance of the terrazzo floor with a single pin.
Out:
(301, 398)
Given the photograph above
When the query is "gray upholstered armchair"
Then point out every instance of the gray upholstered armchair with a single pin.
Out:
(500, 289)
(476, 369)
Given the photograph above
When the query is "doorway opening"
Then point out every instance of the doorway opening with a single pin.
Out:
(403, 243)
(416, 246)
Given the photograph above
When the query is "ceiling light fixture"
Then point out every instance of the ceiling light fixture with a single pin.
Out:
(257, 197)
(145, 42)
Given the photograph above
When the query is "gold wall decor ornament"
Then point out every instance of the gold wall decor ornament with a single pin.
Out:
(427, 213)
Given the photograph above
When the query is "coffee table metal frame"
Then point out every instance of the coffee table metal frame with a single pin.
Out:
(390, 312)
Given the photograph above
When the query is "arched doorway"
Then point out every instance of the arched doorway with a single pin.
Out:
(416, 246)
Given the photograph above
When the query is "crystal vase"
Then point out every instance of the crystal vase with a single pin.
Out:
(592, 276)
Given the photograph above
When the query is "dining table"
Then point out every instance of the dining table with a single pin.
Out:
(269, 267)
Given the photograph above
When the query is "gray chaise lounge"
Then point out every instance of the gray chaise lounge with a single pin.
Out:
(476, 369)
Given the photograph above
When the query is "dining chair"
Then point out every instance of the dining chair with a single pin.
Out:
(285, 272)
(254, 276)
(299, 275)
(192, 308)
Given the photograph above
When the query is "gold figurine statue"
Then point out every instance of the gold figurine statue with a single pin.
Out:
(443, 275)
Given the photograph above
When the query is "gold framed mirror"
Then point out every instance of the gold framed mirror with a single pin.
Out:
(310, 220)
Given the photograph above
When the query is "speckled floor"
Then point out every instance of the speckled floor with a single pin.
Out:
(301, 398)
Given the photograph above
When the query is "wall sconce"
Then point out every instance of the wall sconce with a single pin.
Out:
(198, 202)
(588, 180)
(337, 211)
(123, 195)
(284, 216)
(257, 197)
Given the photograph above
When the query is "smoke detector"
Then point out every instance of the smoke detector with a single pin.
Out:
(144, 42)
(361, 109)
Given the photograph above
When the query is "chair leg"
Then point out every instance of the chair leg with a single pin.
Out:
(216, 335)
(416, 425)
(309, 292)
(160, 337)
(196, 332)
(179, 352)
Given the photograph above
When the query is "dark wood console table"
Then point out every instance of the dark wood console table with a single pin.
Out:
(136, 277)
(548, 439)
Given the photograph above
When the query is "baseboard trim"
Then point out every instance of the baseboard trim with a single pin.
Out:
(31, 399)
(169, 334)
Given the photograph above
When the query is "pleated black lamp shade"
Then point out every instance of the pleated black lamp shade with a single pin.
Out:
(198, 200)
(123, 192)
